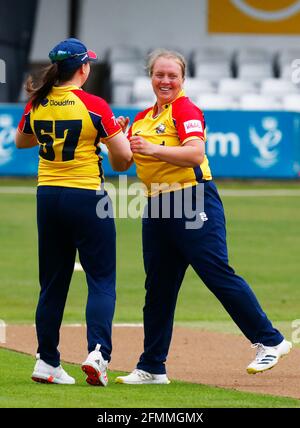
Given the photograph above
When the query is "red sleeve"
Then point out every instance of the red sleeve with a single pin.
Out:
(188, 119)
(24, 124)
(100, 113)
(129, 133)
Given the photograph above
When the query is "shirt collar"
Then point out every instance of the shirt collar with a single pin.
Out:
(180, 94)
(65, 88)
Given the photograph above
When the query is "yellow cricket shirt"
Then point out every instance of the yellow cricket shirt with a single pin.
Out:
(179, 122)
(69, 125)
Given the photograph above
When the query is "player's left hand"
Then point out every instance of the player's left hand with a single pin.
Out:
(142, 146)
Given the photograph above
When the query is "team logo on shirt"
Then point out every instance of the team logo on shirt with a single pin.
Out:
(193, 126)
(203, 216)
(160, 129)
(55, 103)
(62, 103)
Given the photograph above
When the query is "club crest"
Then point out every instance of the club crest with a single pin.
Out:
(161, 128)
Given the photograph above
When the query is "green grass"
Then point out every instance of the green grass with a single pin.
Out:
(17, 390)
(222, 183)
(263, 240)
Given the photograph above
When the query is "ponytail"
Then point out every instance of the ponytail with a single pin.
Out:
(47, 80)
(50, 76)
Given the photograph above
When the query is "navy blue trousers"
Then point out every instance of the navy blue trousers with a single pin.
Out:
(168, 249)
(67, 221)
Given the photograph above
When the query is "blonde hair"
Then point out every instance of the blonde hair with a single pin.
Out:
(165, 53)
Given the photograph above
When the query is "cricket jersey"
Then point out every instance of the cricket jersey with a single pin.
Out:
(69, 124)
(179, 122)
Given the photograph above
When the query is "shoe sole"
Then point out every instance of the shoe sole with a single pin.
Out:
(254, 371)
(93, 376)
(152, 382)
(49, 380)
(40, 380)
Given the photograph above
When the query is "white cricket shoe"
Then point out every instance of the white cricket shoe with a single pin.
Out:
(95, 368)
(140, 377)
(44, 373)
(268, 356)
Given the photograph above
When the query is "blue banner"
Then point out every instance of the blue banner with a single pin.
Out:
(12, 160)
(253, 144)
(239, 144)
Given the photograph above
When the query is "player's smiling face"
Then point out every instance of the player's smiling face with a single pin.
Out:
(167, 80)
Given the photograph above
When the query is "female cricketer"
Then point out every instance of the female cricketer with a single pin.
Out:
(68, 124)
(168, 144)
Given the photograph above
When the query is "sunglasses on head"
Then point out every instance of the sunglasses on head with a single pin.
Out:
(61, 55)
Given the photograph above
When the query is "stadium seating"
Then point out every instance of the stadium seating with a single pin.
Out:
(284, 60)
(124, 53)
(210, 53)
(253, 63)
(122, 76)
(121, 93)
(249, 78)
(252, 55)
(212, 83)
(194, 87)
(214, 69)
(125, 72)
(255, 71)
(291, 102)
(237, 86)
(211, 63)
(278, 87)
(286, 71)
(142, 92)
(217, 102)
(260, 102)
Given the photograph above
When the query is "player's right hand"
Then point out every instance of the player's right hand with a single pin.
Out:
(123, 122)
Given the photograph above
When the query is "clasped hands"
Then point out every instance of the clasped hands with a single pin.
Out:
(137, 144)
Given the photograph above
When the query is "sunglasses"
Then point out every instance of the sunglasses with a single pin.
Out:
(61, 55)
